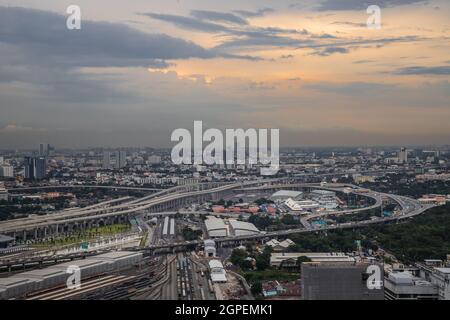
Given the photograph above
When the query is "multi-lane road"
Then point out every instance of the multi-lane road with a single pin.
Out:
(409, 208)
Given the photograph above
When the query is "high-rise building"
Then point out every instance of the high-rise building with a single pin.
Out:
(403, 155)
(29, 167)
(7, 171)
(45, 149)
(106, 159)
(35, 167)
(2, 160)
(121, 159)
(40, 168)
(42, 149)
(325, 281)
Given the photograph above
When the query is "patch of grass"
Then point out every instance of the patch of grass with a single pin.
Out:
(85, 235)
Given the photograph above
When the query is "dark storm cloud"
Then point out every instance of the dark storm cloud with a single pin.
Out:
(37, 48)
(355, 43)
(418, 70)
(329, 51)
(242, 36)
(202, 23)
(262, 40)
(218, 16)
(332, 5)
(253, 14)
(188, 22)
(351, 24)
(45, 38)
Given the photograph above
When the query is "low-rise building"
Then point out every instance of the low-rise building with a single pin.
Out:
(302, 205)
(280, 246)
(241, 228)
(210, 248)
(405, 286)
(5, 241)
(438, 273)
(3, 193)
(329, 281)
(217, 271)
(278, 259)
(215, 227)
(283, 195)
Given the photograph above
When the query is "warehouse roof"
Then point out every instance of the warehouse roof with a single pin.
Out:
(213, 223)
(46, 272)
(286, 194)
(81, 263)
(13, 281)
(241, 225)
(215, 264)
(115, 255)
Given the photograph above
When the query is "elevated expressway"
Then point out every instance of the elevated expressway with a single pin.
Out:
(122, 208)
(410, 209)
(114, 211)
(81, 186)
(119, 210)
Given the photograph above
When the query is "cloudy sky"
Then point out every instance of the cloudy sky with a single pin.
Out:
(139, 69)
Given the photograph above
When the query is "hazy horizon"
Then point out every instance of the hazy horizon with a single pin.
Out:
(138, 70)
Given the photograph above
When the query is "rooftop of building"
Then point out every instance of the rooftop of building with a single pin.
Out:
(242, 225)
(287, 194)
(4, 238)
(214, 223)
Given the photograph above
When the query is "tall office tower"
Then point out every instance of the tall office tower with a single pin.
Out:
(45, 149)
(2, 160)
(42, 149)
(331, 281)
(403, 155)
(50, 149)
(106, 159)
(29, 167)
(35, 167)
(121, 159)
(40, 168)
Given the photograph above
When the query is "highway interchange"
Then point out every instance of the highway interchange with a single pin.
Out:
(172, 271)
(138, 207)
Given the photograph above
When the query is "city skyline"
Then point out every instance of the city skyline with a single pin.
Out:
(137, 71)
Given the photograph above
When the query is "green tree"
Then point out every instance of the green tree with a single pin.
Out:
(256, 289)
(238, 257)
